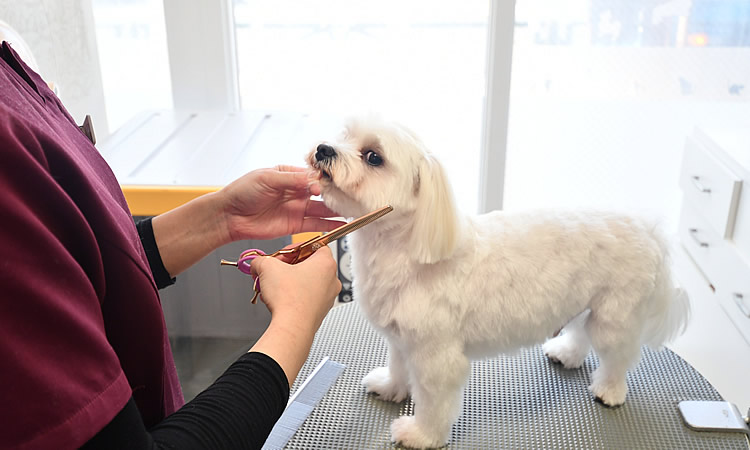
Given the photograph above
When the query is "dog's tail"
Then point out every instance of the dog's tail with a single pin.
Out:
(670, 307)
(670, 322)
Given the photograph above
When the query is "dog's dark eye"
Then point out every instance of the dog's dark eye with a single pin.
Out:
(373, 158)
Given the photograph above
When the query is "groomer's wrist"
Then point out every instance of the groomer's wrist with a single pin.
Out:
(189, 232)
(228, 218)
(220, 218)
(294, 326)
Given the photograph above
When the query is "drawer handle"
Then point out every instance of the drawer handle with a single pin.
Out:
(693, 233)
(698, 185)
(739, 300)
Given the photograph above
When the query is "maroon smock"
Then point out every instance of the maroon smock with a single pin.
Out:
(81, 324)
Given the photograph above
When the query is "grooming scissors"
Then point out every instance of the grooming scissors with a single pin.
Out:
(303, 251)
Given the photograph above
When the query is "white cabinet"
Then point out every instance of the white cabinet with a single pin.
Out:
(710, 186)
(715, 218)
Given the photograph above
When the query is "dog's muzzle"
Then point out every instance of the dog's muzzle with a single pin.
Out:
(324, 152)
(324, 156)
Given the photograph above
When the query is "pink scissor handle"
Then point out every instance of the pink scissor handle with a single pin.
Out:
(243, 264)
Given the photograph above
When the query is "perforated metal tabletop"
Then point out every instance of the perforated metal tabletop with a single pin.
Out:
(516, 401)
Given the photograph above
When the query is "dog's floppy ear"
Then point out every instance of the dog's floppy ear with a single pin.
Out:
(435, 231)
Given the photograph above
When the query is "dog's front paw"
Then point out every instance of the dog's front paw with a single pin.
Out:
(406, 432)
(380, 382)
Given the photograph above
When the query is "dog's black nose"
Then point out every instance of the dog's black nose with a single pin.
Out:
(325, 151)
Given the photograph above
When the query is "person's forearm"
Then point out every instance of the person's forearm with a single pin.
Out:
(186, 234)
(288, 343)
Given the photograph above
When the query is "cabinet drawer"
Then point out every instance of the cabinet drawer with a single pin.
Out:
(701, 241)
(741, 233)
(733, 290)
(711, 187)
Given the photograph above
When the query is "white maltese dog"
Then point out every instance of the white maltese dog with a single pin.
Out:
(443, 289)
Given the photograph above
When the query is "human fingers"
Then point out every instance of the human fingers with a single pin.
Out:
(288, 257)
(314, 188)
(322, 266)
(288, 181)
(321, 256)
(289, 168)
(302, 293)
(257, 266)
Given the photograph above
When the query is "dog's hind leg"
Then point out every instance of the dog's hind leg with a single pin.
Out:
(608, 381)
(389, 383)
(572, 346)
(618, 347)
(437, 379)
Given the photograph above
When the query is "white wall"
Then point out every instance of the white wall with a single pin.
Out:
(61, 36)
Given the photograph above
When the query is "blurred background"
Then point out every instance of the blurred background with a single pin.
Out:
(532, 103)
(603, 92)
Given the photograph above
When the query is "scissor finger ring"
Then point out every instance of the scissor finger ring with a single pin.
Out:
(243, 264)
(247, 257)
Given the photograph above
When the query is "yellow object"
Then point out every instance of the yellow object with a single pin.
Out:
(304, 237)
(153, 200)
(146, 200)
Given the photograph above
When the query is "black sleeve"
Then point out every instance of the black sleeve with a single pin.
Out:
(237, 411)
(146, 232)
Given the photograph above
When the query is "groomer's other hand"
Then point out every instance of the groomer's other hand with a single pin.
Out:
(299, 297)
(269, 203)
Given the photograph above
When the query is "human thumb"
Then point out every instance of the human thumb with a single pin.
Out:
(257, 266)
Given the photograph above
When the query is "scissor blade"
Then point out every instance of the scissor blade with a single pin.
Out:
(356, 224)
(308, 248)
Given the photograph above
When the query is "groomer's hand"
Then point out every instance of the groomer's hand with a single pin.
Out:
(299, 297)
(270, 203)
(302, 292)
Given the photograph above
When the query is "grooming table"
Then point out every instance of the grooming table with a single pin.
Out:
(517, 401)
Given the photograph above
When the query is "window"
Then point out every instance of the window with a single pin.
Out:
(421, 62)
(604, 93)
(132, 44)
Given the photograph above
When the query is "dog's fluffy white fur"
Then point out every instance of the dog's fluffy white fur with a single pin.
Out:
(443, 288)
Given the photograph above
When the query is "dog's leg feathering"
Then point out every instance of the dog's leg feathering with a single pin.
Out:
(618, 348)
(608, 381)
(389, 383)
(437, 381)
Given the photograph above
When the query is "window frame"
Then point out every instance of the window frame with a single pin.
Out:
(209, 81)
